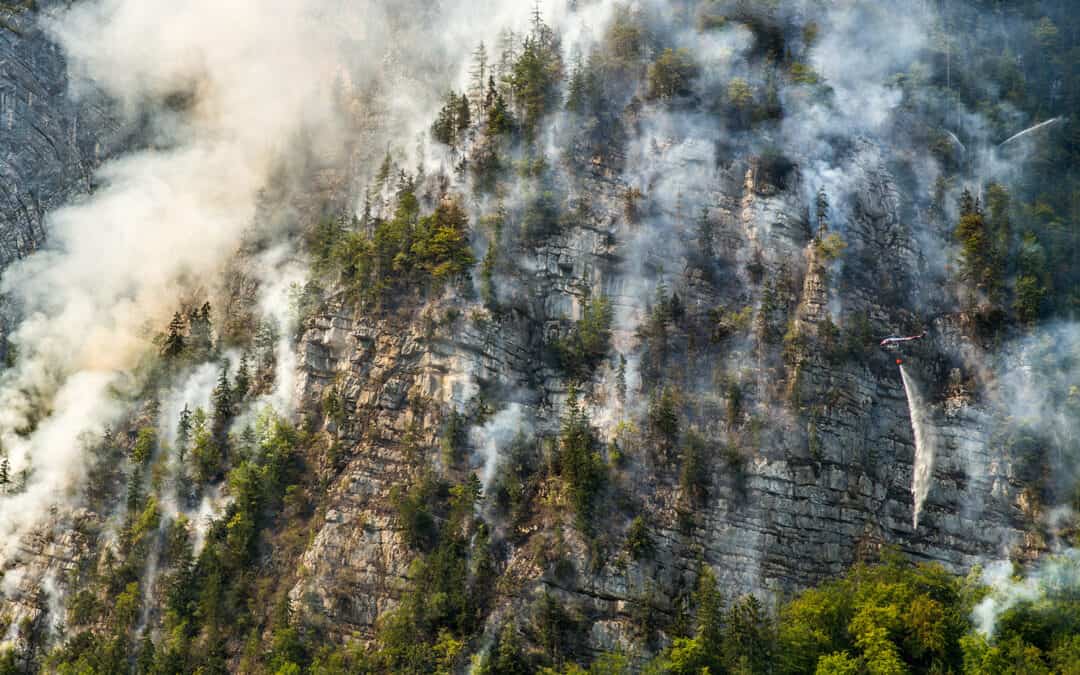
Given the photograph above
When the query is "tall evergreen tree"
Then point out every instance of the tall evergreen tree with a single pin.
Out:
(223, 405)
(183, 432)
(174, 341)
(201, 340)
(242, 382)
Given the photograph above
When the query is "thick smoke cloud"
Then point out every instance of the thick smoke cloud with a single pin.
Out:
(223, 93)
(233, 84)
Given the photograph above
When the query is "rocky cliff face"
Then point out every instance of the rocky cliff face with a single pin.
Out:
(758, 318)
(813, 472)
(51, 145)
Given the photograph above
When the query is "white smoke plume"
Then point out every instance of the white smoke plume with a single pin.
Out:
(250, 76)
(1054, 575)
(223, 92)
(496, 436)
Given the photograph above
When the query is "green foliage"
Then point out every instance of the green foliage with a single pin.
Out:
(500, 121)
(494, 224)
(417, 521)
(731, 322)
(144, 446)
(206, 452)
(1030, 286)
(694, 472)
(588, 342)
(664, 417)
(541, 217)
(978, 262)
(453, 120)
(557, 629)
(201, 600)
(889, 618)
(580, 463)
(189, 337)
(672, 75)
(802, 73)
(455, 439)
(831, 246)
(839, 663)
(509, 655)
(516, 482)
(535, 77)
(173, 345)
(638, 540)
(449, 583)
(441, 246)
(402, 255)
(739, 93)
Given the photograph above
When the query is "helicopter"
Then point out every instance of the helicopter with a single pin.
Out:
(893, 342)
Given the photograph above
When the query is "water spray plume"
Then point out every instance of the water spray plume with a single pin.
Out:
(1029, 130)
(924, 446)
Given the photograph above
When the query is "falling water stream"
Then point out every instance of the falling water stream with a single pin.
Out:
(1027, 131)
(924, 446)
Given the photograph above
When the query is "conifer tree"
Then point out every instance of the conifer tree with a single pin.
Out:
(174, 341)
(822, 214)
(223, 405)
(620, 380)
(134, 491)
(201, 341)
(183, 432)
(243, 379)
(479, 76)
(462, 117)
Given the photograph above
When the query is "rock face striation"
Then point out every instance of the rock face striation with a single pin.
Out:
(51, 144)
(809, 454)
(811, 473)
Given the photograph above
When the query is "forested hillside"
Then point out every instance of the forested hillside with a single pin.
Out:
(587, 336)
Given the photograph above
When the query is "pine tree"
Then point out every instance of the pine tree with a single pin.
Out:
(710, 612)
(174, 342)
(499, 120)
(5, 474)
(705, 233)
(664, 417)
(206, 451)
(822, 214)
(144, 665)
(462, 117)
(577, 91)
(265, 344)
(978, 264)
(201, 342)
(223, 405)
(538, 25)
(620, 380)
(385, 169)
(492, 92)
(445, 127)
(183, 432)
(479, 75)
(243, 379)
(134, 491)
